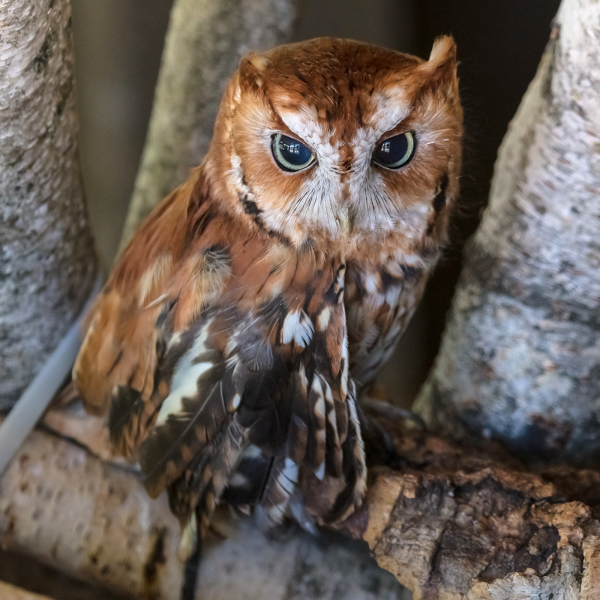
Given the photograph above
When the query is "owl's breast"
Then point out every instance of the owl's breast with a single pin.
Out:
(379, 301)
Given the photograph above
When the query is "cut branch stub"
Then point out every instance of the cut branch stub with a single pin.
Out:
(520, 358)
(47, 260)
(460, 525)
(475, 536)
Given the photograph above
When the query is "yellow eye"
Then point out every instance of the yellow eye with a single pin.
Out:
(396, 151)
(290, 154)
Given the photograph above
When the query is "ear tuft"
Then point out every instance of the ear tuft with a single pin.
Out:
(252, 68)
(443, 51)
(440, 70)
(258, 61)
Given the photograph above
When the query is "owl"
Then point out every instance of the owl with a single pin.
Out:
(256, 304)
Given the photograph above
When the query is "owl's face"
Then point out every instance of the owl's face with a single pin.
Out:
(340, 141)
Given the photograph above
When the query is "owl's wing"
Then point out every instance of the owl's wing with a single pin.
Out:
(119, 347)
(211, 341)
(264, 371)
(380, 302)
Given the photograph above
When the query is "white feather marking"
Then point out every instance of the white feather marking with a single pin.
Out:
(252, 451)
(303, 379)
(153, 276)
(320, 472)
(185, 379)
(174, 339)
(189, 539)
(319, 408)
(277, 512)
(289, 327)
(157, 301)
(331, 416)
(344, 381)
(393, 294)
(323, 319)
(412, 260)
(238, 480)
(288, 478)
(297, 327)
(372, 281)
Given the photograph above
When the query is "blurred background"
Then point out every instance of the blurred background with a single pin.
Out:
(118, 45)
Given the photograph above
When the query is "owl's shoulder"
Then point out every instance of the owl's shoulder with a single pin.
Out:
(178, 263)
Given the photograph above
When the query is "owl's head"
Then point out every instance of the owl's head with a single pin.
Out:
(338, 141)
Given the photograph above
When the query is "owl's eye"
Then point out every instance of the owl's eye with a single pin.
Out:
(396, 151)
(290, 154)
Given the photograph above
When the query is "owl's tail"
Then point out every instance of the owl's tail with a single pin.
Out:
(192, 565)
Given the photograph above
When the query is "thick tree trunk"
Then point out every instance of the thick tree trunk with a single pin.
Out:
(204, 44)
(450, 524)
(520, 358)
(47, 261)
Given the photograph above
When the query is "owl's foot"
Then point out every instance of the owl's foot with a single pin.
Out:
(379, 446)
(386, 410)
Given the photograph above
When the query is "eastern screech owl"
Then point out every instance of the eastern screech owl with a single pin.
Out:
(262, 296)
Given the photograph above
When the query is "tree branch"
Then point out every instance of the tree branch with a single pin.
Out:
(94, 520)
(447, 522)
(47, 260)
(453, 523)
(520, 359)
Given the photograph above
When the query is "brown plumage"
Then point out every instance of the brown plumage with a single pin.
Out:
(262, 295)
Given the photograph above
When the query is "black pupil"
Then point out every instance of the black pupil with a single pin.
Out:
(293, 151)
(393, 150)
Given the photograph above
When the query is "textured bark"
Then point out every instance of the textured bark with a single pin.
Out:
(448, 523)
(204, 44)
(94, 520)
(456, 524)
(520, 358)
(47, 261)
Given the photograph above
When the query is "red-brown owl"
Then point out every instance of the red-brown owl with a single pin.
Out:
(261, 298)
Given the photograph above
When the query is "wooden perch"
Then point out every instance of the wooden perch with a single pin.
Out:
(452, 523)
(447, 522)
(94, 520)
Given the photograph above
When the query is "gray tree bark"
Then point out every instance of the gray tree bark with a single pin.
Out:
(449, 524)
(94, 520)
(47, 260)
(204, 44)
(520, 358)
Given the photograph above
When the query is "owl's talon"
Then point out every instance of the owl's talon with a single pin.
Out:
(387, 410)
(302, 517)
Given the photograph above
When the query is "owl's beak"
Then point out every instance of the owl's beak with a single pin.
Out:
(343, 219)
